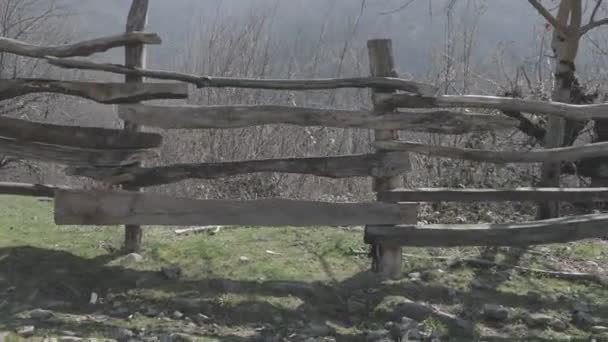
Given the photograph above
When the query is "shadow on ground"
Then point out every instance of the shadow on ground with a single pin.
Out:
(40, 278)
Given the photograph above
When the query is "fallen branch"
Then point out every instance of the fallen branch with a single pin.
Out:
(197, 230)
(84, 48)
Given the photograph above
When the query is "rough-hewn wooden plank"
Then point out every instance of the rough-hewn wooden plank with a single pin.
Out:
(135, 57)
(193, 117)
(72, 156)
(496, 195)
(109, 93)
(564, 110)
(33, 190)
(559, 230)
(376, 165)
(554, 154)
(273, 84)
(84, 48)
(81, 137)
(113, 208)
(386, 258)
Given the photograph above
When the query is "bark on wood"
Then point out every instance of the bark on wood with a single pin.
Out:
(377, 165)
(202, 117)
(113, 208)
(561, 154)
(109, 93)
(386, 258)
(85, 48)
(495, 195)
(81, 137)
(560, 230)
(565, 48)
(135, 57)
(71, 156)
(559, 109)
(33, 190)
(272, 84)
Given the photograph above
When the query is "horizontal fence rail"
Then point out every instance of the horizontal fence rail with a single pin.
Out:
(559, 230)
(205, 117)
(114, 208)
(72, 156)
(81, 137)
(108, 93)
(80, 49)
(33, 190)
(569, 111)
(496, 195)
(364, 165)
(271, 84)
(553, 154)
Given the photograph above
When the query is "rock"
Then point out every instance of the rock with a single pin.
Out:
(42, 315)
(119, 312)
(69, 339)
(318, 329)
(132, 258)
(243, 259)
(495, 312)
(178, 315)
(581, 307)
(94, 298)
(599, 329)
(123, 335)
(171, 272)
(26, 331)
(582, 318)
(151, 312)
(414, 276)
(558, 325)
(538, 319)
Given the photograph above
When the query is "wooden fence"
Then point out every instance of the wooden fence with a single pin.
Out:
(115, 156)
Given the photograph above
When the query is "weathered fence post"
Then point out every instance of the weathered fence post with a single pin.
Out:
(386, 259)
(135, 56)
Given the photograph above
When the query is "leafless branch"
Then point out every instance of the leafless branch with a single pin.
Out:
(549, 17)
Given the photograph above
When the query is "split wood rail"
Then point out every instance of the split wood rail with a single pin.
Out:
(115, 156)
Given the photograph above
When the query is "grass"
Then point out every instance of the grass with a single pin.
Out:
(261, 282)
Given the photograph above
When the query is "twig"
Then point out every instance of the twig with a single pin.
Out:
(197, 230)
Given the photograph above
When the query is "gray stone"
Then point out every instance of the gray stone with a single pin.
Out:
(538, 319)
(599, 329)
(495, 312)
(171, 272)
(40, 314)
(132, 258)
(414, 276)
(178, 314)
(123, 335)
(559, 325)
(318, 329)
(583, 318)
(26, 331)
(151, 312)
